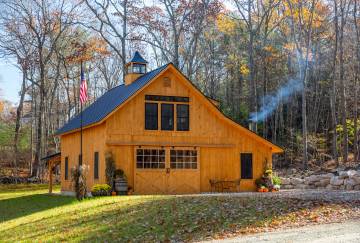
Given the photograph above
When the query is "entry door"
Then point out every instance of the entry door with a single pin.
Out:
(167, 171)
(184, 176)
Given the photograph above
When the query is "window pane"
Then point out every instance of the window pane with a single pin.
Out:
(182, 117)
(151, 116)
(151, 159)
(167, 117)
(246, 166)
(66, 168)
(96, 165)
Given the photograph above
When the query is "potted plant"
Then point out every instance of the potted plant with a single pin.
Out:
(121, 186)
(277, 183)
(130, 190)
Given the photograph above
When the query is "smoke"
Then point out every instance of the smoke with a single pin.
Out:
(270, 102)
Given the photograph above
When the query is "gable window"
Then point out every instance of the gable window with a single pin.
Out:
(167, 117)
(66, 168)
(150, 158)
(151, 116)
(96, 165)
(182, 117)
(246, 166)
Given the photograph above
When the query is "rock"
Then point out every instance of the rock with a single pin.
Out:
(352, 173)
(356, 178)
(327, 176)
(329, 187)
(301, 186)
(350, 182)
(342, 187)
(349, 187)
(288, 186)
(343, 175)
(285, 181)
(336, 181)
(296, 181)
(357, 187)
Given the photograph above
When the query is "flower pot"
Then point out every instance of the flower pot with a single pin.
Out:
(113, 193)
(121, 186)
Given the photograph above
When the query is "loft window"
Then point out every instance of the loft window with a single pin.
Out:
(167, 117)
(138, 68)
(182, 117)
(151, 116)
(246, 166)
(167, 98)
(66, 168)
(183, 159)
(150, 158)
(96, 165)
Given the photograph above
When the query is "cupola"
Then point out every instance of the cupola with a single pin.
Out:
(135, 68)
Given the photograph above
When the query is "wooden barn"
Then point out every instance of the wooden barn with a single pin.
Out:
(166, 135)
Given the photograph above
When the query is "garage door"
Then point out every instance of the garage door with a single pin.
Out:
(167, 171)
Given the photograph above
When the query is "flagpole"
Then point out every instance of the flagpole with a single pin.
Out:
(81, 126)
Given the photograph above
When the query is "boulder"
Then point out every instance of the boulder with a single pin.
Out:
(285, 181)
(287, 186)
(357, 187)
(343, 175)
(336, 181)
(301, 186)
(327, 176)
(342, 187)
(349, 187)
(296, 181)
(329, 187)
(350, 182)
(352, 173)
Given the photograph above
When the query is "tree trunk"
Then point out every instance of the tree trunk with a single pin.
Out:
(17, 123)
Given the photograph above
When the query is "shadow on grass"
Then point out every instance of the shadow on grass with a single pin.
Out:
(16, 207)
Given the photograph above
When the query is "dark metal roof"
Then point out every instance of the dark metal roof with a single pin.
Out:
(138, 58)
(51, 156)
(109, 102)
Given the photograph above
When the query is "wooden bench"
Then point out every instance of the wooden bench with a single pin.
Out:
(225, 185)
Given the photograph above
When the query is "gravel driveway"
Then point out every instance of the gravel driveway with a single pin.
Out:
(325, 233)
(316, 194)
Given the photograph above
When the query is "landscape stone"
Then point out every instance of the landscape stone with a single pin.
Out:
(343, 175)
(336, 181)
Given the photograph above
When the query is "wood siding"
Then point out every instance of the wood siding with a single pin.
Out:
(219, 142)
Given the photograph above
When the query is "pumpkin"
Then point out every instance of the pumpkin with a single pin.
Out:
(265, 190)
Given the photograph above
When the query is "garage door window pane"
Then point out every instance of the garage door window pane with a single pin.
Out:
(150, 158)
(183, 159)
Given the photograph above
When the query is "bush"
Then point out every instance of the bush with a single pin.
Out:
(101, 190)
(78, 176)
(276, 180)
(110, 169)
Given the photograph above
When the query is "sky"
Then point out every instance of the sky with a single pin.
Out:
(10, 81)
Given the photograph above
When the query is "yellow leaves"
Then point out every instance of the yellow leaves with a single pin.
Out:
(225, 24)
(244, 70)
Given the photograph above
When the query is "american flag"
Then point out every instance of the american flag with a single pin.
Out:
(83, 87)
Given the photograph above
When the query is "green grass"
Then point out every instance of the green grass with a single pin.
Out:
(27, 213)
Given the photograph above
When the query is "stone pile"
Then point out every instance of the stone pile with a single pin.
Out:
(344, 180)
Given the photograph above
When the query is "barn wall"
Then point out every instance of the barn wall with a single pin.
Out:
(93, 141)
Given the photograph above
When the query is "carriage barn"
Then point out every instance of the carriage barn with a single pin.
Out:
(165, 135)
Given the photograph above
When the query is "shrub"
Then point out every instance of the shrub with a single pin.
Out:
(119, 173)
(101, 190)
(110, 169)
(259, 182)
(276, 180)
(78, 176)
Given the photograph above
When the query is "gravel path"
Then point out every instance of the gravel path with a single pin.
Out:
(325, 233)
(323, 195)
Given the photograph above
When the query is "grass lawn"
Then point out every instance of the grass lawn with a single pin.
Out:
(27, 213)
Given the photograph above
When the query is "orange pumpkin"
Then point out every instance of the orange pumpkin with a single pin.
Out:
(265, 190)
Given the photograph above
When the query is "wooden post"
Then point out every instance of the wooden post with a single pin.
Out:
(50, 176)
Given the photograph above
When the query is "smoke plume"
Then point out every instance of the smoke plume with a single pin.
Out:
(270, 102)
